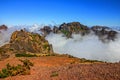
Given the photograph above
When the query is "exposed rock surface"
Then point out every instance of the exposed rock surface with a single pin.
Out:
(22, 42)
(68, 29)
(3, 27)
(46, 30)
(103, 32)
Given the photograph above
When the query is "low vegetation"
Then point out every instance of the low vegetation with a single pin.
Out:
(66, 33)
(23, 69)
(83, 60)
(54, 74)
(33, 55)
(25, 55)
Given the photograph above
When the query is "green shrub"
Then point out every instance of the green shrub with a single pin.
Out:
(65, 32)
(26, 63)
(4, 73)
(11, 49)
(45, 46)
(16, 70)
(25, 55)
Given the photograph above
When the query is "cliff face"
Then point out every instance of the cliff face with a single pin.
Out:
(23, 42)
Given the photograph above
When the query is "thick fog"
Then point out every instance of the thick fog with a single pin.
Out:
(89, 46)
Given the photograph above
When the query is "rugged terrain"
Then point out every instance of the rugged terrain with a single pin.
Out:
(65, 68)
(51, 66)
(24, 42)
(103, 32)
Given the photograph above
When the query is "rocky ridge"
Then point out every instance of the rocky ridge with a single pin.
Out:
(25, 42)
(103, 32)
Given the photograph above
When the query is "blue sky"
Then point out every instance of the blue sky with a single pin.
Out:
(88, 12)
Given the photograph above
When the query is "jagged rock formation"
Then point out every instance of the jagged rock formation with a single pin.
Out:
(73, 27)
(31, 42)
(68, 29)
(3, 27)
(103, 32)
(106, 32)
(46, 30)
(23, 42)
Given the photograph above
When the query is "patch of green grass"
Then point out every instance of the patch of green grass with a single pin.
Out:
(34, 55)
(11, 49)
(25, 55)
(65, 32)
(46, 46)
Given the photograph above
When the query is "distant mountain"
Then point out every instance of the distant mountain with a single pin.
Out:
(68, 29)
(24, 41)
(3, 27)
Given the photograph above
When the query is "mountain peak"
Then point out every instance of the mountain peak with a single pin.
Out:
(23, 42)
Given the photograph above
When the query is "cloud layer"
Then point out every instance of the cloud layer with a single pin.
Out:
(89, 46)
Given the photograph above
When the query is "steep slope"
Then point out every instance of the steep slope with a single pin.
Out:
(26, 42)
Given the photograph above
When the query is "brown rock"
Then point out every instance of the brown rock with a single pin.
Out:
(3, 27)
(102, 31)
(22, 42)
(29, 42)
(46, 30)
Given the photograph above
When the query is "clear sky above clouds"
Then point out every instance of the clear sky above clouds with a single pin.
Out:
(88, 12)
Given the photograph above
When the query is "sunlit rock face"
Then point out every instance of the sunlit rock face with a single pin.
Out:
(23, 42)
(31, 42)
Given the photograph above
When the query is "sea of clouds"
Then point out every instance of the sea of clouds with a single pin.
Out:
(89, 46)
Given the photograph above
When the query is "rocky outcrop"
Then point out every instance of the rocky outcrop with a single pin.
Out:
(3, 54)
(73, 28)
(67, 29)
(26, 42)
(30, 42)
(3, 27)
(46, 30)
(56, 29)
(106, 32)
